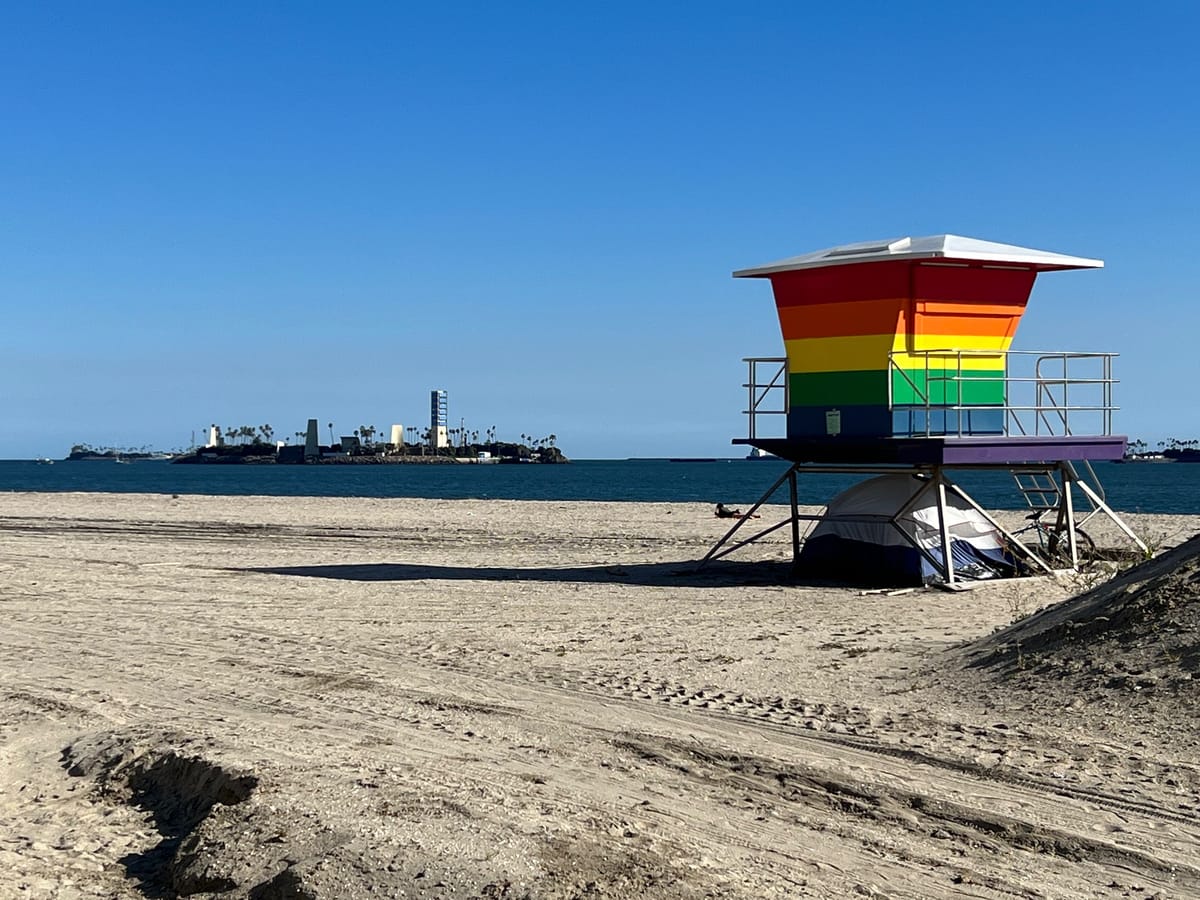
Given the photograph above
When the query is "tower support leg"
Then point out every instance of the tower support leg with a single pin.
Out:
(1066, 515)
(944, 526)
(795, 517)
(1108, 511)
(720, 549)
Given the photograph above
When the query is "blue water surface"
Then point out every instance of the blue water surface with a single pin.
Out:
(1141, 487)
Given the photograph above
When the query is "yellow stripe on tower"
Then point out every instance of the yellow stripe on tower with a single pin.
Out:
(839, 354)
(911, 342)
(870, 352)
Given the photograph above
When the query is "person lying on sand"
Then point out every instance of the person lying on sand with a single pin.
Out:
(724, 512)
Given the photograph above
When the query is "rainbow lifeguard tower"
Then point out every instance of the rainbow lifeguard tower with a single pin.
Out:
(898, 357)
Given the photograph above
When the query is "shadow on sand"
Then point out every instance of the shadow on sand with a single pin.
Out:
(722, 573)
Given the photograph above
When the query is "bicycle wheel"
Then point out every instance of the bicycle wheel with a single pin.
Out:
(1059, 548)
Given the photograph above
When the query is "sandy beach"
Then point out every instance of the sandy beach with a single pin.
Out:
(253, 697)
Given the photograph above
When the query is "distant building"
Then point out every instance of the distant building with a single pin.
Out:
(397, 439)
(214, 437)
(438, 417)
(293, 455)
(312, 448)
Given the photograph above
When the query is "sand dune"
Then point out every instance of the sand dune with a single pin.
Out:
(270, 697)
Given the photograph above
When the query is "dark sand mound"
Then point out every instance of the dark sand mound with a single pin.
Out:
(1136, 638)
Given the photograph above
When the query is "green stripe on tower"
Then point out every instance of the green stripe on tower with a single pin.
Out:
(828, 389)
(948, 387)
(869, 388)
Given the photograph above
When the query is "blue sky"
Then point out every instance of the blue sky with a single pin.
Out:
(251, 213)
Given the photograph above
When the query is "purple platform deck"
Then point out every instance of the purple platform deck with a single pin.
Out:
(942, 451)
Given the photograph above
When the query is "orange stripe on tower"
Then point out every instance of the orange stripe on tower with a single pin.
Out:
(812, 320)
(845, 319)
(980, 326)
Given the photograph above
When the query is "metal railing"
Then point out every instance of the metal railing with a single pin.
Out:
(760, 391)
(1065, 393)
(1051, 393)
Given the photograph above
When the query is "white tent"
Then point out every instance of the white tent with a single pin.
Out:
(887, 530)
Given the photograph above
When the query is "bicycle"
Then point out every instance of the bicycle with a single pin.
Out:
(1053, 545)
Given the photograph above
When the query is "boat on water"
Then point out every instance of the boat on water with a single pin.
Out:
(759, 453)
(483, 458)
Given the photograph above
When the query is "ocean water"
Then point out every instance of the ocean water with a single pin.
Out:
(1141, 487)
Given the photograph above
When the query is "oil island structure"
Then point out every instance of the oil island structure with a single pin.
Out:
(898, 363)
(438, 443)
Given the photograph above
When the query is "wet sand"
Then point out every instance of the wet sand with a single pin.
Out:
(295, 697)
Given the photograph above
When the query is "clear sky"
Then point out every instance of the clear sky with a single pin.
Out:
(249, 213)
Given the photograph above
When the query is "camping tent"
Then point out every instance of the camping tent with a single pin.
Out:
(885, 530)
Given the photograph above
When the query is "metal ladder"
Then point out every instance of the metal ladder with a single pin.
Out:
(1043, 492)
(1039, 487)
(1084, 474)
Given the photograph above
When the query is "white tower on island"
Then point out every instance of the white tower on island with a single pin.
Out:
(438, 416)
(312, 447)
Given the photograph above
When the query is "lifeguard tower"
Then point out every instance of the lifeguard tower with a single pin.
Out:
(898, 358)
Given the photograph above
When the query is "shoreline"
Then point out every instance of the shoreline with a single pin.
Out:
(1160, 530)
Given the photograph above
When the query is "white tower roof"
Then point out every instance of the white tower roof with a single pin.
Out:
(938, 246)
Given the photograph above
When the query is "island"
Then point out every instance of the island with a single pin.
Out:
(86, 453)
(358, 453)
